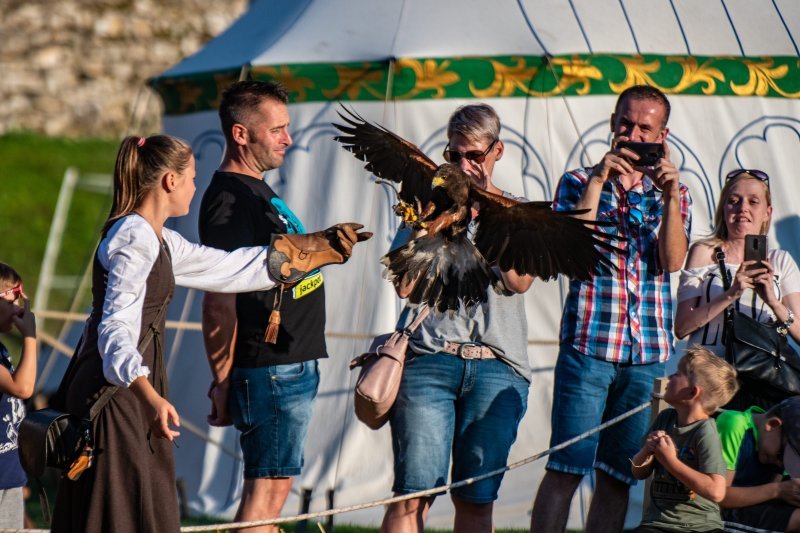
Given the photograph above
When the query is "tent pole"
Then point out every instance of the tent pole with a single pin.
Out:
(389, 81)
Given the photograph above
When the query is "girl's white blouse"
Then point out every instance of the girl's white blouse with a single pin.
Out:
(128, 252)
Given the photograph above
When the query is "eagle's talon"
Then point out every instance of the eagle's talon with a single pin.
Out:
(407, 212)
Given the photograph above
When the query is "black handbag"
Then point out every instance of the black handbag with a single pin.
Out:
(54, 438)
(49, 437)
(767, 366)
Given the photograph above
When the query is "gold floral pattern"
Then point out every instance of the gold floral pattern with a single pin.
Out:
(296, 85)
(507, 79)
(221, 81)
(638, 71)
(354, 80)
(188, 96)
(694, 73)
(499, 77)
(574, 71)
(763, 77)
(430, 75)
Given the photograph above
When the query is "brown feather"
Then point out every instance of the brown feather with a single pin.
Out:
(527, 237)
(488, 198)
(388, 156)
(531, 238)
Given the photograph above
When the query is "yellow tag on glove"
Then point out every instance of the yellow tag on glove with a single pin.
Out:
(307, 286)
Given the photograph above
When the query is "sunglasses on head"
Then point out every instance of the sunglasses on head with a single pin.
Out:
(454, 156)
(758, 174)
(13, 294)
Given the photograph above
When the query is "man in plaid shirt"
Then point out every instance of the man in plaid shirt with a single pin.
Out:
(616, 329)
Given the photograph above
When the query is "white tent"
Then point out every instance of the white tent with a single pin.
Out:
(552, 69)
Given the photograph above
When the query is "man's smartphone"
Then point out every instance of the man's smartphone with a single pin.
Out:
(755, 249)
(649, 153)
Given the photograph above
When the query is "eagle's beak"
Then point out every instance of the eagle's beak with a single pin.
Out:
(437, 181)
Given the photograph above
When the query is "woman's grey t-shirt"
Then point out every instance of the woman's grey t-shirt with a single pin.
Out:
(500, 324)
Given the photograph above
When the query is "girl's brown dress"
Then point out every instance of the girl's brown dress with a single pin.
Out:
(131, 485)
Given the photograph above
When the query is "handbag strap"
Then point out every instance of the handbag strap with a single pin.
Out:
(109, 391)
(723, 270)
(726, 279)
(423, 314)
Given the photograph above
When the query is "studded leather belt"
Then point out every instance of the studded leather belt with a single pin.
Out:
(469, 351)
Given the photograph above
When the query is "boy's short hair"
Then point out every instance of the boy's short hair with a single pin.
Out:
(789, 413)
(8, 277)
(715, 377)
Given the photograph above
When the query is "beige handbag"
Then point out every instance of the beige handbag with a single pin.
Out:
(381, 372)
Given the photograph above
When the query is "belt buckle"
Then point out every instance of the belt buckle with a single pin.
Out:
(464, 355)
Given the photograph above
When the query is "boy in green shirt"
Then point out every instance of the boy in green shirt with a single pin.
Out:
(759, 449)
(683, 449)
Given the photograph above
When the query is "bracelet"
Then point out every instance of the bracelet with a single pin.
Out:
(783, 329)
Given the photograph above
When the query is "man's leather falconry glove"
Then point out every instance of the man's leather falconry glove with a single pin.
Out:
(292, 256)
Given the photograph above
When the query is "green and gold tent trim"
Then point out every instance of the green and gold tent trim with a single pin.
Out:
(495, 76)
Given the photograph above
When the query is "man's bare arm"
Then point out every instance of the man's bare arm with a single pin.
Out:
(219, 338)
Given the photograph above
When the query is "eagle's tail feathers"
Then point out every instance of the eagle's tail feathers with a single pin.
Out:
(449, 273)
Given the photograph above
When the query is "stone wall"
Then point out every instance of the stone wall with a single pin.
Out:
(78, 67)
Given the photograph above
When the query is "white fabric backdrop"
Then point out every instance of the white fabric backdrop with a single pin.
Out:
(324, 184)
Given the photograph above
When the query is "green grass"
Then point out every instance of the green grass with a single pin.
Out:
(32, 168)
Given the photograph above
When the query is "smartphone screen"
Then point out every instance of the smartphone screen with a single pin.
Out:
(755, 249)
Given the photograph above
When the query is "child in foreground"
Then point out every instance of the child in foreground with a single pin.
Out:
(15, 385)
(762, 451)
(683, 449)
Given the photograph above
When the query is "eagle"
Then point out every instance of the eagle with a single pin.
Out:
(443, 267)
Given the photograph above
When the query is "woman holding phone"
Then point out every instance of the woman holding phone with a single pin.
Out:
(768, 291)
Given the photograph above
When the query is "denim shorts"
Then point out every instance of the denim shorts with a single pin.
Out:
(470, 408)
(589, 391)
(271, 407)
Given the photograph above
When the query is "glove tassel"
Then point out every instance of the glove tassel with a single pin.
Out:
(271, 335)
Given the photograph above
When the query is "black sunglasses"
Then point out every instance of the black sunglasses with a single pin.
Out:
(454, 156)
(758, 174)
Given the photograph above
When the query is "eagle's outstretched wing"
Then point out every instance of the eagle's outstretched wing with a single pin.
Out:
(388, 156)
(531, 238)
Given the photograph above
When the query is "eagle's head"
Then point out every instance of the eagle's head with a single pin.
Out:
(451, 177)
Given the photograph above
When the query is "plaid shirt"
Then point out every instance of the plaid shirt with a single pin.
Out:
(624, 316)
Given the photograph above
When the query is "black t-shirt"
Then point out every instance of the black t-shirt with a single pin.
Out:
(239, 210)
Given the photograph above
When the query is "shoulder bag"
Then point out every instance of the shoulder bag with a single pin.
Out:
(51, 437)
(381, 372)
(767, 366)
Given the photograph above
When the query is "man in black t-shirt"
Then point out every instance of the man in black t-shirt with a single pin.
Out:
(265, 389)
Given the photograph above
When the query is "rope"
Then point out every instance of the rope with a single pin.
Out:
(395, 499)
(423, 493)
(197, 326)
